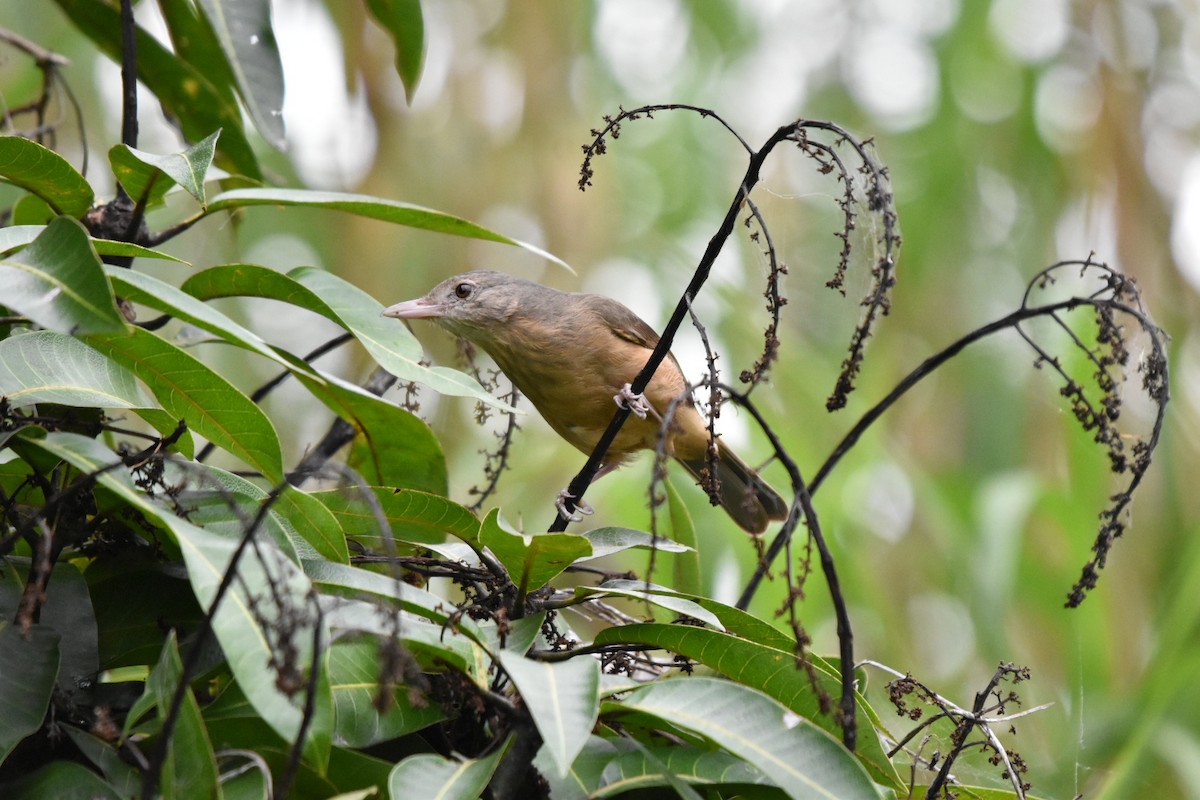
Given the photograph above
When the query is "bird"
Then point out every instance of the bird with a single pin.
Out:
(574, 354)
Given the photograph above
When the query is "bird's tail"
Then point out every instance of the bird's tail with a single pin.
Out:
(746, 497)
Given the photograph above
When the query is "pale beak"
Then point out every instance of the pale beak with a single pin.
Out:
(421, 308)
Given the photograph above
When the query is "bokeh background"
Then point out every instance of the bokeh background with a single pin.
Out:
(1018, 133)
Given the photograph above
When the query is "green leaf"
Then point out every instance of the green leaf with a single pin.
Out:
(185, 92)
(436, 645)
(46, 174)
(226, 504)
(17, 236)
(394, 447)
(803, 760)
(532, 560)
(32, 210)
(188, 389)
(434, 776)
(49, 367)
(563, 698)
(606, 541)
(28, 669)
(57, 282)
(62, 780)
(653, 594)
(354, 678)
(391, 344)
(195, 42)
(243, 28)
(403, 20)
(68, 610)
(687, 576)
(147, 177)
(363, 205)
(314, 523)
(121, 776)
(626, 764)
(135, 599)
(141, 288)
(774, 672)
(348, 581)
(414, 517)
(190, 769)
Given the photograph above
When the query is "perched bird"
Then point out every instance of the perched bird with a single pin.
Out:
(574, 354)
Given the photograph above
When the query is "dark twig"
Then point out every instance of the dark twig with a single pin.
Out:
(129, 105)
(284, 786)
(802, 504)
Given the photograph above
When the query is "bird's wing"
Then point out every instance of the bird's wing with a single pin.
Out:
(626, 324)
(629, 326)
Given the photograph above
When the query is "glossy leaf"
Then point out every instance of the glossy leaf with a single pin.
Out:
(243, 28)
(195, 42)
(394, 447)
(190, 769)
(190, 390)
(226, 504)
(607, 541)
(313, 523)
(120, 775)
(135, 599)
(563, 698)
(403, 20)
(28, 669)
(414, 517)
(68, 610)
(363, 205)
(17, 236)
(620, 764)
(354, 677)
(148, 176)
(531, 560)
(435, 776)
(50, 367)
(348, 581)
(800, 758)
(185, 92)
(62, 780)
(687, 577)
(435, 645)
(774, 672)
(653, 594)
(58, 283)
(46, 174)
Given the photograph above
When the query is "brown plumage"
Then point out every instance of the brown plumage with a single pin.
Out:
(570, 353)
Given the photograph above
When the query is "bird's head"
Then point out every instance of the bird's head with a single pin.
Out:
(471, 305)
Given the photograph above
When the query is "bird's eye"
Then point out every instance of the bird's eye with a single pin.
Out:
(464, 290)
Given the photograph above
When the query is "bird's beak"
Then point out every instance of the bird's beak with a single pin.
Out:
(421, 308)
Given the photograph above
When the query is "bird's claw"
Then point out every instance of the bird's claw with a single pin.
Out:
(635, 403)
(581, 508)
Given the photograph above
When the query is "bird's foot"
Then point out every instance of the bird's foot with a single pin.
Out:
(581, 508)
(636, 403)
